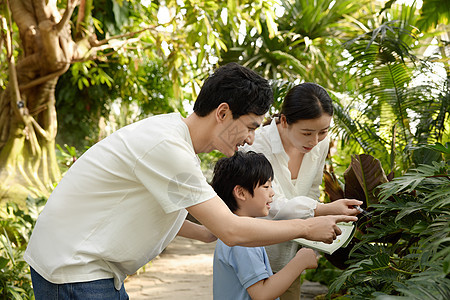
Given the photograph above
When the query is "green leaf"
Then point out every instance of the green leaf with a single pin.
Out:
(3, 262)
(332, 186)
(368, 172)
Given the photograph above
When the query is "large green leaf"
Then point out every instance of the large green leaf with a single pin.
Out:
(364, 175)
(332, 186)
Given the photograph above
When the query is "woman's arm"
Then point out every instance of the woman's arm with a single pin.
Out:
(277, 284)
(338, 207)
(195, 231)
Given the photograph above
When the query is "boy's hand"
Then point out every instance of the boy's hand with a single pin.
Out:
(309, 258)
(324, 229)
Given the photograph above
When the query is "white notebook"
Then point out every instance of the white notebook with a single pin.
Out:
(342, 240)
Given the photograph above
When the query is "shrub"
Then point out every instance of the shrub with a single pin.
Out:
(16, 226)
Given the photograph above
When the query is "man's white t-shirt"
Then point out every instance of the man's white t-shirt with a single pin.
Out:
(120, 204)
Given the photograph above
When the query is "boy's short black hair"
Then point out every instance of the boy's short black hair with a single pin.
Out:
(241, 88)
(247, 169)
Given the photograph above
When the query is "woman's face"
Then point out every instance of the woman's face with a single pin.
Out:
(306, 134)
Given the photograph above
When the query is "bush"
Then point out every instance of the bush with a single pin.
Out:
(16, 226)
(405, 249)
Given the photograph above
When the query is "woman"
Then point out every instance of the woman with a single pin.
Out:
(296, 144)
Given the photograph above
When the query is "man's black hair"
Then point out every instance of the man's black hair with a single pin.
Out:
(241, 88)
(247, 169)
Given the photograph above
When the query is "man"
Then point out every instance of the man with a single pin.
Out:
(127, 197)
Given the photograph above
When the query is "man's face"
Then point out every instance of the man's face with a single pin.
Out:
(237, 132)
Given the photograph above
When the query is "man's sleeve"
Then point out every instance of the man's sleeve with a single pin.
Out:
(171, 173)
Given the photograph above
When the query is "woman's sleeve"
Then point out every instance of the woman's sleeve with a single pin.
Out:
(314, 191)
(281, 208)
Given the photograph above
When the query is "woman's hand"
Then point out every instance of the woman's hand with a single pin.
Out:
(338, 207)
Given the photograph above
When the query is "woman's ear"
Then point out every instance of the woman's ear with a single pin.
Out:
(239, 193)
(283, 121)
(222, 111)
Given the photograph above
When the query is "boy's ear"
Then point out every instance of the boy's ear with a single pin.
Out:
(222, 111)
(238, 193)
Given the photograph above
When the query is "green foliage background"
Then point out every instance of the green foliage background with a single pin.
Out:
(367, 54)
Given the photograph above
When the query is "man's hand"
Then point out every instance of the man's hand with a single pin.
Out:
(324, 229)
(338, 207)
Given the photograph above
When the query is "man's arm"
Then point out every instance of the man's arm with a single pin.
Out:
(195, 231)
(252, 232)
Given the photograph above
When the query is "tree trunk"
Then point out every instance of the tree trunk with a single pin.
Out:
(28, 124)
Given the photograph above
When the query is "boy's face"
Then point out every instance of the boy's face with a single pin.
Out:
(237, 132)
(258, 205)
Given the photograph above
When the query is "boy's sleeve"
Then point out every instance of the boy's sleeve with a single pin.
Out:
(171, 173)
(249, 266)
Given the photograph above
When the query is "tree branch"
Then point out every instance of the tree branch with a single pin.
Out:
(40, 130)
(105, 41)
(71, 4)
(22, 16)
(80, 17)
(13, 82)
(45, 78)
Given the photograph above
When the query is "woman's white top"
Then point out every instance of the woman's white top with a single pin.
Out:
(293, 198)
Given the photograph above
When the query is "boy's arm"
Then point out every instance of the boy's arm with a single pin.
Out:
(277, 284)
(195, 231)
(252, 232)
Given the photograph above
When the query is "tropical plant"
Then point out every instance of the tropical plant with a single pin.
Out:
(16, 225)
(303, 43)
(405, 246)
(401, 95)
(130, 54)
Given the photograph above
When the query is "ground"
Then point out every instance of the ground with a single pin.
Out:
(184, 270)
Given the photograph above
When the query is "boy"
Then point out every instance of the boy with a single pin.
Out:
(126, 198)
(243, 182)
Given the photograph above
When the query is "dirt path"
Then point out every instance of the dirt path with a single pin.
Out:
(184, 271)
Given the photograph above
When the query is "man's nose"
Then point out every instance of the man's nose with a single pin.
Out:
(250, 138)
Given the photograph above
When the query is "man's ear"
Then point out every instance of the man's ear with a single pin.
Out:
(239, 193)
(222, 111)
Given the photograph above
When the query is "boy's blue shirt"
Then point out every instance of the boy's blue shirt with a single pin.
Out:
(236, 269)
